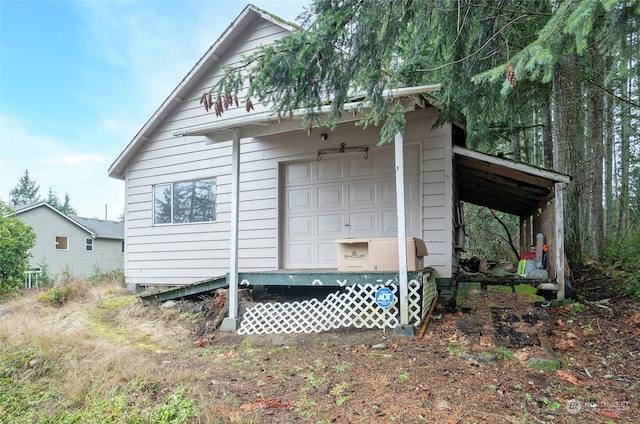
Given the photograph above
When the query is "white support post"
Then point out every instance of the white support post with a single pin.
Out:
(559, 224)
(231, 323)
(402, 232)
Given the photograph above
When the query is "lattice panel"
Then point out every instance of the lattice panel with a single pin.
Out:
(355, 307)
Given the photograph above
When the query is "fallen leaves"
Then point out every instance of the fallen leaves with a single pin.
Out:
(564, 375)
(608, 414)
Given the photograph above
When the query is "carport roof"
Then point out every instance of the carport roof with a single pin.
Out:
(503, 184)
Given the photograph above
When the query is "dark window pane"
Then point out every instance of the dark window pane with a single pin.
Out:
(194, 201)
(162, 204)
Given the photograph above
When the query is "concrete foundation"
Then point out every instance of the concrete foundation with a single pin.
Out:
(404, 331)
(230, 325)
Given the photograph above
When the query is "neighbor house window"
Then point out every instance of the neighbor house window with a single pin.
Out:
(184, 202)
(62, 243)
(88, 246)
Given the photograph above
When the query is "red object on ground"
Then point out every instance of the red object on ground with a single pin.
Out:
(527, 255)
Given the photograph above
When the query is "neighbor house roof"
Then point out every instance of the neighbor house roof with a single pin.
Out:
(97, 228)
(214, 53)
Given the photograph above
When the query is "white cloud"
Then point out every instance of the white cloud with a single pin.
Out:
(55, 164)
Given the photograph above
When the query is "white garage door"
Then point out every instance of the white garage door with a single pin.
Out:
(344, 196)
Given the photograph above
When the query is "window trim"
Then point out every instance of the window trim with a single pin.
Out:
(171, 185)
(88, 244)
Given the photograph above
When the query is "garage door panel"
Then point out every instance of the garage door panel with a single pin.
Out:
(362, 194)
(330, 169)
(390, 223)
(299, 227)
(361, 167)
(411, 191)
(300, 199)
(299, 255)
(331, 225)
(362, 224)
(299, 173)
(327, 255)
(330, 197)
(388, 191)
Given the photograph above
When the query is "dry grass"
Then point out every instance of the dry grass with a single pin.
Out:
(100, 350)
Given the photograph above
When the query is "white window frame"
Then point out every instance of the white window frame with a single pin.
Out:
(88, 244)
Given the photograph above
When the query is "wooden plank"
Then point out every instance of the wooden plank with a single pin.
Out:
(508, 164)
(559, 224)
(190, 290)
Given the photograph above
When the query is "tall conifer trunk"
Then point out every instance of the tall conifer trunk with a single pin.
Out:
(596, 139)
(566, 142)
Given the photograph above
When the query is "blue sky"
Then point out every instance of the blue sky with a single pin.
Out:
(78, 79)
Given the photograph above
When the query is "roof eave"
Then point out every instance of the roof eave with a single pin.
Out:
(267, 123)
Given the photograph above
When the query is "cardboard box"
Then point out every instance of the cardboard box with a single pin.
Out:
(383, 254)
(353, 254)
(378, 254)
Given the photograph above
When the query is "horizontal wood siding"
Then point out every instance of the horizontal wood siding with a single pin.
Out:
(179, 254)
(436, 188)
(77, 261)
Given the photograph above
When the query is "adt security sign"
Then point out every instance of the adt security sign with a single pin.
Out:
(384, 297)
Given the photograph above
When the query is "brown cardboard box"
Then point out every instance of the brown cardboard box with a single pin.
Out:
(383, 254)
(378, 254)
(353, 254)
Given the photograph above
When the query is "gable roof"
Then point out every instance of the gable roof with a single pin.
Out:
(235, 29)
(97, 228)
(102, 228)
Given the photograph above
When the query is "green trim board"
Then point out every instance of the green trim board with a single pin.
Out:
(285, 278)
(322, 278)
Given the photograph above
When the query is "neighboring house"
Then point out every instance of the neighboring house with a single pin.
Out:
(207, 195)
(72, 244)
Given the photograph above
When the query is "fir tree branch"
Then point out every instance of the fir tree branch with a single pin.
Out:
(600, 86)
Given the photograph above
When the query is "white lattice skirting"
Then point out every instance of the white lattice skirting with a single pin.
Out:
(355, 307)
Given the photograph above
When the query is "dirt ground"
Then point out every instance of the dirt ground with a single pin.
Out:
(477, 365)
(491, 361)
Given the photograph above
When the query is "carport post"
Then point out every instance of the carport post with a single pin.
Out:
(403, 329)
(231, 323)
(559, 218)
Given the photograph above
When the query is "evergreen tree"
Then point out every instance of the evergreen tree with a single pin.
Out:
(503, 66)
(25, 192)
(66, 207)
(52, 198)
